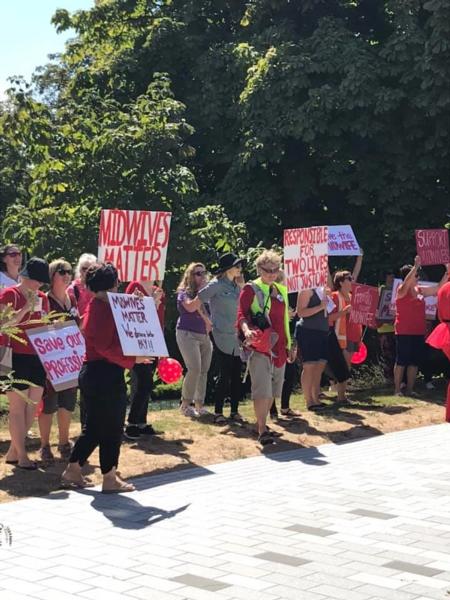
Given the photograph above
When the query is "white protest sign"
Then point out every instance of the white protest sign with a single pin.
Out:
(136, 242)
(61, 349)
(137, 324)
(342, 241)
(330, 303)
(306, 258)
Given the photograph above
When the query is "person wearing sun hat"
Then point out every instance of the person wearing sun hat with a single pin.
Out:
(222, 296)
(30, 304)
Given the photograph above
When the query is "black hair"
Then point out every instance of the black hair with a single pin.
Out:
(405, 270)
(101, 277)
(3, 252)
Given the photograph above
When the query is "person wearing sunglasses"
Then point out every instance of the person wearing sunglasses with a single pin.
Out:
(10, 263)
(263, 322)
(410, 325)
(62, 403)
(192, 335)
(30, 305)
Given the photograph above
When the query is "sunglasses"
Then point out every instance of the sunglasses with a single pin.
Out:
(64, 271)
(14, 254)
(84, 268)
(199, 273)
(271, 271)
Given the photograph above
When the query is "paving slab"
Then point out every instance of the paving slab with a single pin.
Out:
(358, 521)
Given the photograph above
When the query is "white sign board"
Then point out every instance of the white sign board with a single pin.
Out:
(430, 301)
(342, 241)
(138, 325)
(61, 349)
(306, 258)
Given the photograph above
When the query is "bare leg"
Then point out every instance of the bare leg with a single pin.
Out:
(113, 483)
(64, 417)
(308, 384)
(45, 427)
(17, 429)
(262, 408)
(411, 374)
(399, 371)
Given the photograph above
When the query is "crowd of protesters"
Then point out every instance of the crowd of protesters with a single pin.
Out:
(254, 330)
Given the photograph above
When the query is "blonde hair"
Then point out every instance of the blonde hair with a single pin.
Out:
(267, 256)
(55, 265)
(187, 283)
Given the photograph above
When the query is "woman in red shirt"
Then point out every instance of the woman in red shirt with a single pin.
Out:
(30, 305)
(410, 326)
(103, 385)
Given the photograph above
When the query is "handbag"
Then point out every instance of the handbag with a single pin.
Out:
(5, 360)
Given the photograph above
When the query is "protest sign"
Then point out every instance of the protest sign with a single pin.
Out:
(306, 258)
(364, 305)
(61, 349)
(135, 241)
(138, 325)
(397, 281)
(342, 241)
(433, 246)
(386, 311)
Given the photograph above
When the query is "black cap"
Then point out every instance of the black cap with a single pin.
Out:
(37, 269)
(228, 261)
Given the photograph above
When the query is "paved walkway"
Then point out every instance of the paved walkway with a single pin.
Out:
(365, 520)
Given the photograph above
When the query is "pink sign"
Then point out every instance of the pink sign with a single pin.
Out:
(432, 246)
(364, 305)
(306, 258)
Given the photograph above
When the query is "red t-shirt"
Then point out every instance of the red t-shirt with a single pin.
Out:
(101, 337)
(17, 300)
(444, 303)
(276, 315)
(410, 315)
(81, 294)
(135, 285)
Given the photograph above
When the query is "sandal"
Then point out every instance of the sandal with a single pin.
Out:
(76, 485)
(288, 412)
(273, 433)
(122, 488)
(317, 407)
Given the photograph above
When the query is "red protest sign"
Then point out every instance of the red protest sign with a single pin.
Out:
(364, 305)
(306, 258)
(135, 241)
(432, 246)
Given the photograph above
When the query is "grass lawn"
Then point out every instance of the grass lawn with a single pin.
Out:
(182, 442)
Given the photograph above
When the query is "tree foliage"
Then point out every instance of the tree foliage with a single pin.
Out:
(268, 113)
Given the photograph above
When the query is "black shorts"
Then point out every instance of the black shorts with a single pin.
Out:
(409, 350)
(337, 365)
(29, 368)
(313, 344)
(54, 400)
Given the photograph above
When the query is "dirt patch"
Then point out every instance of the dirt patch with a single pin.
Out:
(183, 443)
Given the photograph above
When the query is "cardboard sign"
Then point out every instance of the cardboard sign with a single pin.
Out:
(342, 241)
(61, 350)
(138, 325)
(364, 305)
(135, 241)
(306, 258)
(432, 246)
(386, 310)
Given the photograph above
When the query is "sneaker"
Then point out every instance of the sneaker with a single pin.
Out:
(430, 385)
(65, 450)
(265, 439)
(147, 430)
(188, 411)
(219, 419)
(238, 418)
(46, 455)
(132, 432)
(288, 412)
(202, 411)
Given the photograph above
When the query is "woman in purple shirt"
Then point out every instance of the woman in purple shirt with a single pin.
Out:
(192, 333)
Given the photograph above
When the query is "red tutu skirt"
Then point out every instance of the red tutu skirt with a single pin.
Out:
(440, 338)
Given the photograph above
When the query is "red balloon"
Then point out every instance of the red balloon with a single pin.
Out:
(360, 356)
(169, 370)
